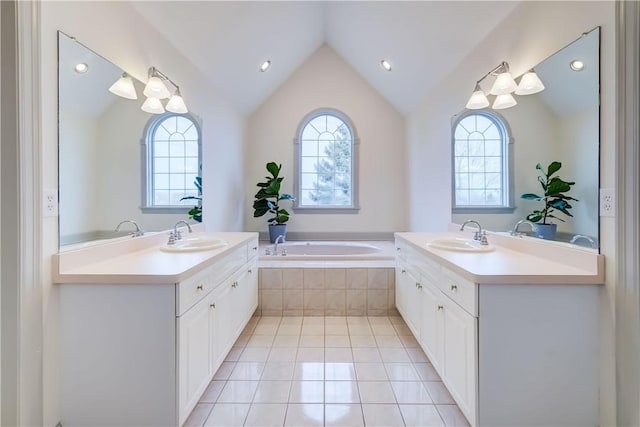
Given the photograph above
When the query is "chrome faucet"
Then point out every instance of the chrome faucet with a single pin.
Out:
(279, 239)
(515, 231)
(577, 237)
(480, 235)
(136, 233)
(177, 235)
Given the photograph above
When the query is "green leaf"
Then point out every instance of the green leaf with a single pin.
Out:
(274, 169)
(272, 205)
(553, 168)
(539, 166)
(286, 196)
(273, 189)
(260, 207)
(284, 212)
(191, 198)
(531, 196)
(535, 216)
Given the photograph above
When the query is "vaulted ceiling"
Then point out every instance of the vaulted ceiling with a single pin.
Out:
(423, 40)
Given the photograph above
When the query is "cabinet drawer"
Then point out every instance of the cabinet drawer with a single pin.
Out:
(460, 290)
(192, 290)
(230, 263)
(429, 269)
(401, 250)
(252, 249)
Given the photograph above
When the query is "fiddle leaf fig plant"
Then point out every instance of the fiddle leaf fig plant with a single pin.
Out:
(268, 198)
(554, 197)
(195, 212)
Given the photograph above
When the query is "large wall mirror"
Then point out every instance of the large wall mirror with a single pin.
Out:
(101, 150)
(561, 123)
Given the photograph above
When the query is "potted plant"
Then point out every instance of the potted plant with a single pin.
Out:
(554, 199)
(268, 200)
(195, 213)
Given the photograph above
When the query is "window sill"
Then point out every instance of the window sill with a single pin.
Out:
(484, 210)
(325, 210)
(166, 209)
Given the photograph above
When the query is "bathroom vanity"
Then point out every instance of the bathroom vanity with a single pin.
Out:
(144, 331)
(513, 331)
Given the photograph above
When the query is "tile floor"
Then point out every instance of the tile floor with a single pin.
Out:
(326, 371)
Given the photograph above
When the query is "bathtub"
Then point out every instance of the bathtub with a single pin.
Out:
(320, 254)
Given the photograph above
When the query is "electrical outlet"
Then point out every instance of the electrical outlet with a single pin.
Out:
(607, 202)
(50, 202)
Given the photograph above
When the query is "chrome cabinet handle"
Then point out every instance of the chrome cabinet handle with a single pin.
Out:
(249, 271)
(255, 248)
(397, 249)
(440, 307)
(403, 271)
(419, 286)
(200, 287)
(212, 305)
(454, 287)
(234, 285)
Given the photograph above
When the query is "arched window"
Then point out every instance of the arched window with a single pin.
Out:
(326, 163)
(172, 163)
(481, 163)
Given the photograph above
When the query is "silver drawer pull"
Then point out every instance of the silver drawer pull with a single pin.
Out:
(419, 286)
(440, 307)
(234, 285)
(249, 271)
(255, 248)
(454, 287)
(397, 249)
(403, 271)
(200, 287)
(212, 305)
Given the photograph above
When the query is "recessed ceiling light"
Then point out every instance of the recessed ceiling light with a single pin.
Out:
(577, 65)
(265, 66)
(385, 64)
(81, 68)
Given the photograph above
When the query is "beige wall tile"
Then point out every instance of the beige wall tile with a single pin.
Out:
(314, 278)
(376, 300)
(271, 278)
(271, 299)
(391, 279)
(313, 300)
(391, 298)
(356, 302)
(356, 278)
(335, 278)
(377, 278)
(292, 278)
(336, 301)
(292, 300)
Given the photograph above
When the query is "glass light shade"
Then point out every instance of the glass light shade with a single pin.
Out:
(155, 88)
(503, 85)
(530, 83)
(124, 87)
(504, 101)
(176, 104)
(153, 106)
(478, 100)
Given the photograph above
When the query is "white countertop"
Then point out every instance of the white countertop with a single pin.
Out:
(530, 264)
(140, 261)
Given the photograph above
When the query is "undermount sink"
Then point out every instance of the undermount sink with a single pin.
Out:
(194, 244)
(458, 244)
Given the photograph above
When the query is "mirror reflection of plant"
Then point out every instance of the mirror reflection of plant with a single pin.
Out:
(195, 213)
(269, 197)
(554, 198)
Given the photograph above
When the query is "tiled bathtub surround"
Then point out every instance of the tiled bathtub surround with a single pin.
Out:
(327, 291)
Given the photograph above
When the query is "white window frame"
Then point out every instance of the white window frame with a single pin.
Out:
(507, 164)
(147, 164)
(355, 148)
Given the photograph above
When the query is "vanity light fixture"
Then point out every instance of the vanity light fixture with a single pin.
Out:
(81, 68)
(156, 89)
(503, 87)
(124, 87)
(577, 65)
(386, 65)
(265, 66)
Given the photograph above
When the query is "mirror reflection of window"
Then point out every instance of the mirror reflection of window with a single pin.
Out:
(481, 163)
(173, 161)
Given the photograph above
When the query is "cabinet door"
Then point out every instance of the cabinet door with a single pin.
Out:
(406, 295)
(431, 329)
(460, 356)
(220, 334)
(248, 289)
(193, 356)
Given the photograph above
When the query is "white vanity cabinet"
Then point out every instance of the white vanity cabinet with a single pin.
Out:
(143, 353)
(510, 354)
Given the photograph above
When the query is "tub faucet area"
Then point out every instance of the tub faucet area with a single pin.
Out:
(137, 233)
(279, 239)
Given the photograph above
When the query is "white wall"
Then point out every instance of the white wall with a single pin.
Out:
(116, 31)
(532, 32)
(326, 81)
